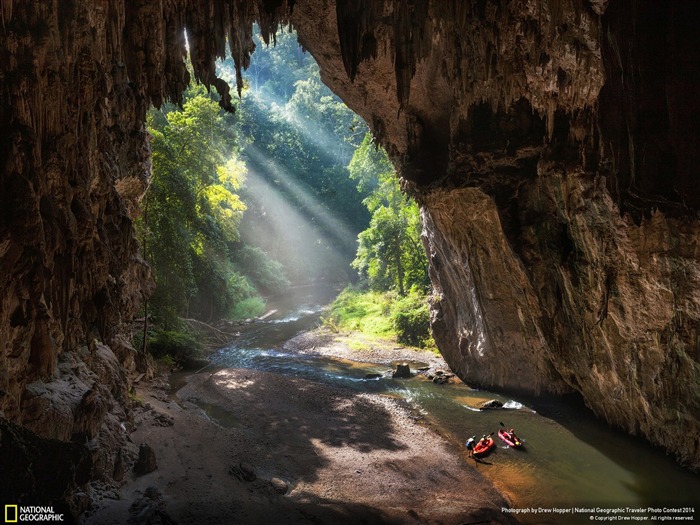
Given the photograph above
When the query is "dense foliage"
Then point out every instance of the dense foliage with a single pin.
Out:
(297, 140)
(192, 213)
(390, 254)
(179, 346)
(241, 205)
(191, 210)
(384, 315)
(390, 259)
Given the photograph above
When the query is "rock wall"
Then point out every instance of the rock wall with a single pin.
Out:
(552, 146)
(76, 80)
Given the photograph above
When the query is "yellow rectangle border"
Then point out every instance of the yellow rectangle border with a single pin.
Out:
(7, 517)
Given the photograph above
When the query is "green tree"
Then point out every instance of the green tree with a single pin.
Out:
(192, 209)
(390, 255)
(298, 138)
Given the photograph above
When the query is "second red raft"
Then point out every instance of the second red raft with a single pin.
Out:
(510, 438)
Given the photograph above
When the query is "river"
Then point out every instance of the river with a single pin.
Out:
(570, 459)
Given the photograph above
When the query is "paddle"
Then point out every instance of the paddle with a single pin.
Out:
(485, 438)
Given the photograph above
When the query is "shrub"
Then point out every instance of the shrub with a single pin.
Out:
(250, 307)
(240, 287)
(385, 315)
(411, 320)
(180, 346)
(265, 272)
(366, 312)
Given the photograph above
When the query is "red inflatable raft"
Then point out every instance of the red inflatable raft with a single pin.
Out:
(483, 446)
(510, 438)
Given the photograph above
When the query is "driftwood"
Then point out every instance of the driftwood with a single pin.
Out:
(213, 336)
(268, 314)
(205, 325)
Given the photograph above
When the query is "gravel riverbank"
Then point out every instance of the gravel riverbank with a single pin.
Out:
(244, 446)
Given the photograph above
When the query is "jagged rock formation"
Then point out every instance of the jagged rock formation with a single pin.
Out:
(76, 80)
(552, 146)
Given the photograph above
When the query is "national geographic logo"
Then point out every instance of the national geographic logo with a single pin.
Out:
(17, 514)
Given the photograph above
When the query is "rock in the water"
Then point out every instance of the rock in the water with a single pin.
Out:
(373, 376)
(493, 403)
(439, 377)
(402, 370)
(147, 460)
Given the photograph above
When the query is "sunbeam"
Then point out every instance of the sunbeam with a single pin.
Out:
(293, 234)
(317, 213)
(330, 145)
(297, 141)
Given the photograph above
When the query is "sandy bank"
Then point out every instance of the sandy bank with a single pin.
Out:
(317, 454)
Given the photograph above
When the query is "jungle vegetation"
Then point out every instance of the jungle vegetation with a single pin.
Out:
(289, 190)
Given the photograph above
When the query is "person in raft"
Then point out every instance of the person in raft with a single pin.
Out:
(470, 445)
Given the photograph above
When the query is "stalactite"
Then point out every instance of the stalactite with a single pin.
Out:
(356, 20)
(6, 11)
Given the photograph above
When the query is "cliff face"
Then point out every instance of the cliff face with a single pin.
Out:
(552, 146)
(76, 80)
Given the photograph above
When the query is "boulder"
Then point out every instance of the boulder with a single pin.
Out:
(491, 404)
(279, 485)
(402, 370)
(147, 460)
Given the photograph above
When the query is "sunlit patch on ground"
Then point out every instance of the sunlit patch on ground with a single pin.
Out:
(230, 381)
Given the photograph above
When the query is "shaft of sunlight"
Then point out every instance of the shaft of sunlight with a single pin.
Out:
(294, 233)
(328, 144)
(334, 226)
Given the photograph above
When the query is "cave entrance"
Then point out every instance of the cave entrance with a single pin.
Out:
(297, 140)
(272, 198)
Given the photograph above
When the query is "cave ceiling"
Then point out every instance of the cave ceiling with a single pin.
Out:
(555, 141)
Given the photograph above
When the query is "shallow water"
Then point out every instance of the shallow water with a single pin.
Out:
(569, 459)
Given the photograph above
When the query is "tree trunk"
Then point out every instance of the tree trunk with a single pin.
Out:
(145, 326)
(399, 267)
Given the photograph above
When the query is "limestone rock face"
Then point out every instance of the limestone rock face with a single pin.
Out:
(552, 148)
(76, 80)
(40, 468)
(551, 145)
(74, 163)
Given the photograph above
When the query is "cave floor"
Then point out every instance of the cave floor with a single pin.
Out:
(318, 454)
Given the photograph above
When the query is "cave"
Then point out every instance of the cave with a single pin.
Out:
(552, 147)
